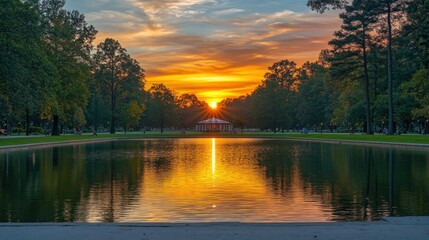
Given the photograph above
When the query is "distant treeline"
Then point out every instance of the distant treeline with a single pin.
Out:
(374, 76)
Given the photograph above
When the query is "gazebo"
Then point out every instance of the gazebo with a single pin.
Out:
(214, 125)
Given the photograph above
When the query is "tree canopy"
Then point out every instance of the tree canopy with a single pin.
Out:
(119, 76)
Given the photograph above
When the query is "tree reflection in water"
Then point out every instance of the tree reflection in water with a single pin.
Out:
(212, 180)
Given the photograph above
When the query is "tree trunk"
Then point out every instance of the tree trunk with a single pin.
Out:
(274, 107)
(425, 59)
(375, 86)
(275, 125)
(9, 126)
(389, 67)
(27, 122)
(112, 124)
(55, 126)
(95, 111)
(367, 99)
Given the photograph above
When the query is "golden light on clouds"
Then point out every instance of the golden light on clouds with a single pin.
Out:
(214, 49)
(211, 87)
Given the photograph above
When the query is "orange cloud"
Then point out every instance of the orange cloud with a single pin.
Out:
(210, 49)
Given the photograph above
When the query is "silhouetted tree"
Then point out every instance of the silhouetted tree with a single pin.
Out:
(162, 107)
(119, 75)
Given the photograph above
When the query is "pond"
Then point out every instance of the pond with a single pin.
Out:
(212, 180)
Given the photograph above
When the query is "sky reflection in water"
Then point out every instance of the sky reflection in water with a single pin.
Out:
(212, 180)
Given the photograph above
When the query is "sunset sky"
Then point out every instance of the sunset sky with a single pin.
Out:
(212, 48)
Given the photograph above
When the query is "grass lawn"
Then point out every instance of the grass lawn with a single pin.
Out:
(417, 139)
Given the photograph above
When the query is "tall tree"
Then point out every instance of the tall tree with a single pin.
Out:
(69, 40)
(162, 107)
(313, 96)
(386, 9)
(271, 99)
(354, 36)
(97, 111)
(418, 27)
(26, 74)
(120, 76)
(131, 114)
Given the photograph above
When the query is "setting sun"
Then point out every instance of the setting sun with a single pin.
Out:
(213, 105)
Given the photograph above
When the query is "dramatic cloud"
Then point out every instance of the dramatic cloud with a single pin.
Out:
(212, 48)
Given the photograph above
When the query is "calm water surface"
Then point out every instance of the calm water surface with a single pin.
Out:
(212, 180)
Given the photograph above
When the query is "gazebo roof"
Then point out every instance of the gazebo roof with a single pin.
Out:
(214, 121)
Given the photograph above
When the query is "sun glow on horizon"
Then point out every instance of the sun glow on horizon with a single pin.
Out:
(213, 105)
(227, 58)
(207, 85)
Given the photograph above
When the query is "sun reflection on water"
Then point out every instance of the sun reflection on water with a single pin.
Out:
(200, 180)
(231, 188)
(213, 156)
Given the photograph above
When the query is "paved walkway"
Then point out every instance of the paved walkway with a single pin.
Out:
(390, 228)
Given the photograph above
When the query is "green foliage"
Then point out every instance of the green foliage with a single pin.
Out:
(35, 130)
(132, 114)
(349, 110)
(418, 27)
(419, 90)
(26, 73)
(79, 119)
(162, 109)
(97, 112)
(69, 42)
(352, 41)
(18, 130)
(313, 97)
(270, 101)
(119, 78)
(50, 76)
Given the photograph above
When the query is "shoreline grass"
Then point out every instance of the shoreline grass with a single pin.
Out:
(6, 141)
